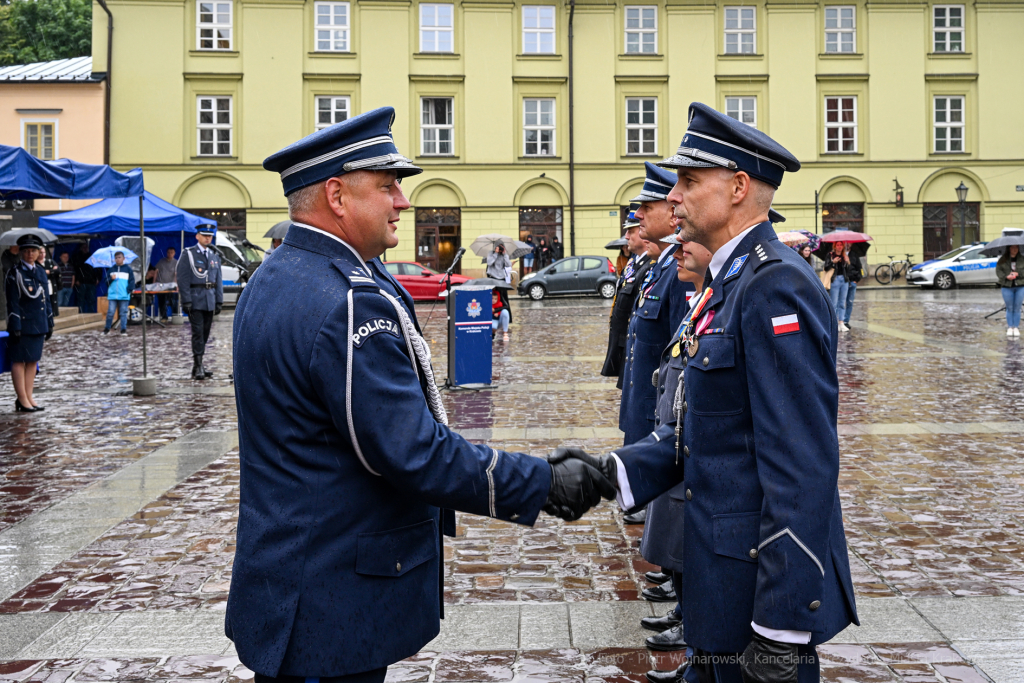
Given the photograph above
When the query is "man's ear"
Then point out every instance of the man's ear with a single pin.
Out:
(741, 187)
(337, 195)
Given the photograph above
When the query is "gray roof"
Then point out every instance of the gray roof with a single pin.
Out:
(78, 69)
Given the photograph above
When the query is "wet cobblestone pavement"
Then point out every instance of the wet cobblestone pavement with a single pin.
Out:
(932, 483)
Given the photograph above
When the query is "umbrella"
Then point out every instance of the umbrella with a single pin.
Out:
(486, 282)
(848, 236)
(104, 258)
(521, 250)
(10, 238)
(279, 230)
(615, 244)
(996, 246)
(485, 244)
(798, 238)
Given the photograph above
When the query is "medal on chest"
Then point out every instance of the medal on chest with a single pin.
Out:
(688, 333)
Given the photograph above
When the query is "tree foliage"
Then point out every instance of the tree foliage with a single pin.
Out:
(44, 30)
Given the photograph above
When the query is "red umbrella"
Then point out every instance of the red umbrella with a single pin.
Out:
(845, 236)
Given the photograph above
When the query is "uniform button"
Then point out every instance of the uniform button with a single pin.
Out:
(814, 605)
(706, 361)
(689, 496)
(398, 566)
(686, 451)
(661, 389)
(753, 553)
(630, 382)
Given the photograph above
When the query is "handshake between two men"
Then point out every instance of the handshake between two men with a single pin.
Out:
(578, 482)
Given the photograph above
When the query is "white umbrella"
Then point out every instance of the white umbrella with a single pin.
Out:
(485, 244)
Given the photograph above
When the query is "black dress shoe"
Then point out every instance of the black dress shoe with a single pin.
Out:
(18, 408)
(657, 577)
(663, 593)
(668, 641)
(37, 409)
(636, 517)
(661, 624)
(674, 676)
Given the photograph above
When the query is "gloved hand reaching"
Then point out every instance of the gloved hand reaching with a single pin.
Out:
(769, 661)
(576, 486)
(605, 464)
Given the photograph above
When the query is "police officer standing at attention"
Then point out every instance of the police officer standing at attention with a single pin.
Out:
(349, 472)
(633, 273)
(202, 293)
(767, 574)
(29, 320)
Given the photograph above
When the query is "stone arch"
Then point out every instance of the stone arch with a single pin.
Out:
(437, 192)
(932, 192)
(845, 189)
(540, 192)
(212, 189)
(628, 190)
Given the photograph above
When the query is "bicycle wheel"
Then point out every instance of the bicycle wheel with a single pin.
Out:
(883, 274)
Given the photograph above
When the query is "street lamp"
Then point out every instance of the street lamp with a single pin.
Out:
(961, 196)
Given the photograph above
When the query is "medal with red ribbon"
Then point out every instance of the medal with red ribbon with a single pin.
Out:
(688, 336)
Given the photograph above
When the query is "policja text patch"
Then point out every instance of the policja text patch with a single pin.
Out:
(372, 327)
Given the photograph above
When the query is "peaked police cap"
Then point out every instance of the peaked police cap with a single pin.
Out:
(657, 184)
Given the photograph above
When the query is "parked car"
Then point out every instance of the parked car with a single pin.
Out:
(421, 282)
(573, 275)
(963, 266)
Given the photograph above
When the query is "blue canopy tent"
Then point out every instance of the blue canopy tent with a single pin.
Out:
(121, 217)
(22, 176)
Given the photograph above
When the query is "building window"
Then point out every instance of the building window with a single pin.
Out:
(641, 30)
(436, 28)
(41, 140)
(213, 25)
(332, 110)
(539, 127)
(214, 126)
(842, 217)
(840, 124)
(538, 29)
(331, 26)
(641, 125)
(743, 109)
(948, 28)
(949, 124)
(740, 31)
(841, 29)
(438, 127)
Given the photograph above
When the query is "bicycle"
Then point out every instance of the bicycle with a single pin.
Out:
(893, 270)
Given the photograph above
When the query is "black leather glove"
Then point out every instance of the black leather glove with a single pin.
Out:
(575, 487)
(49, 333)
(218, 308)
(186, 309)
(769, 661)
(605, 464)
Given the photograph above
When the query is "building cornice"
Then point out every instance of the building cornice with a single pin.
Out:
(842, 77)
(539, 79)
(741, 78)
(331, 77)
(211, 76)
(951, 77)
(437, 78)
(656, 78)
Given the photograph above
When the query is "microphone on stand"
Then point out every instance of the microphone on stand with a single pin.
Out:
(455, 261)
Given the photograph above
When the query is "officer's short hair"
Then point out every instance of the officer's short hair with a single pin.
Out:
(304, 199)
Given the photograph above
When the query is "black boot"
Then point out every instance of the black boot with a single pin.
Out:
(207, 373)
(197, 367)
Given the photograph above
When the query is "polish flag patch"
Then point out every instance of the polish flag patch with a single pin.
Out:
(784, 324)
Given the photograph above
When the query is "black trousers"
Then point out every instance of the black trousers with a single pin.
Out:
(724, 667)
(200, 322)
(375, 676)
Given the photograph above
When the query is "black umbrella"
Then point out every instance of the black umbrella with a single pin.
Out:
(10, 238)
(996, 246)
(616, 243)
(486, 282)
(279, 230)
(858, 249)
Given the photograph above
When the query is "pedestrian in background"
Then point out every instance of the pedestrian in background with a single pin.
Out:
(500, 316)
(29, 320)
(87, 278)
(120, 285)
(543, 253)
(201, 287)
(812, 260)
(528, 258)
(853, 275)
(498, 264)
(1009, 269)
(66, 279)
(556, 249)
(838, 263)
(165, 272)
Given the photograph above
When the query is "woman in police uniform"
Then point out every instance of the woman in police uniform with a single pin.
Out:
(29, 320)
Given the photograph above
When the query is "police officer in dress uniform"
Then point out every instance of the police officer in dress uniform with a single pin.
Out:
(349, 472)
(29, 320)
(202, 293)
(767, 575)
(626, 289)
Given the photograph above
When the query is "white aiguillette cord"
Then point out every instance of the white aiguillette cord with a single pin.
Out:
(419, 351)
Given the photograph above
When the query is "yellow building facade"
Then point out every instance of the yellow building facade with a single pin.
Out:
(890, 106)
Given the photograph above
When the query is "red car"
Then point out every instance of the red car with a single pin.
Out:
(421, 282)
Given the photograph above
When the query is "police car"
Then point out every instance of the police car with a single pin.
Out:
(963, 266)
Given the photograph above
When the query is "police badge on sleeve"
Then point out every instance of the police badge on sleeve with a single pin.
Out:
(374, 326)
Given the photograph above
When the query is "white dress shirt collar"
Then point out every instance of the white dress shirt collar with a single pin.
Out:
(723, 254)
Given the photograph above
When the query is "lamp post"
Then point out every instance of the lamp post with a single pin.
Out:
(961, 196)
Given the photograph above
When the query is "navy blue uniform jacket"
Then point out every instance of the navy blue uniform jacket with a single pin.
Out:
(763, 538)
(650, 328)
(344, 471)
(28, 304)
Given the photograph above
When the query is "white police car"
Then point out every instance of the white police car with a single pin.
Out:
(963, 266)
